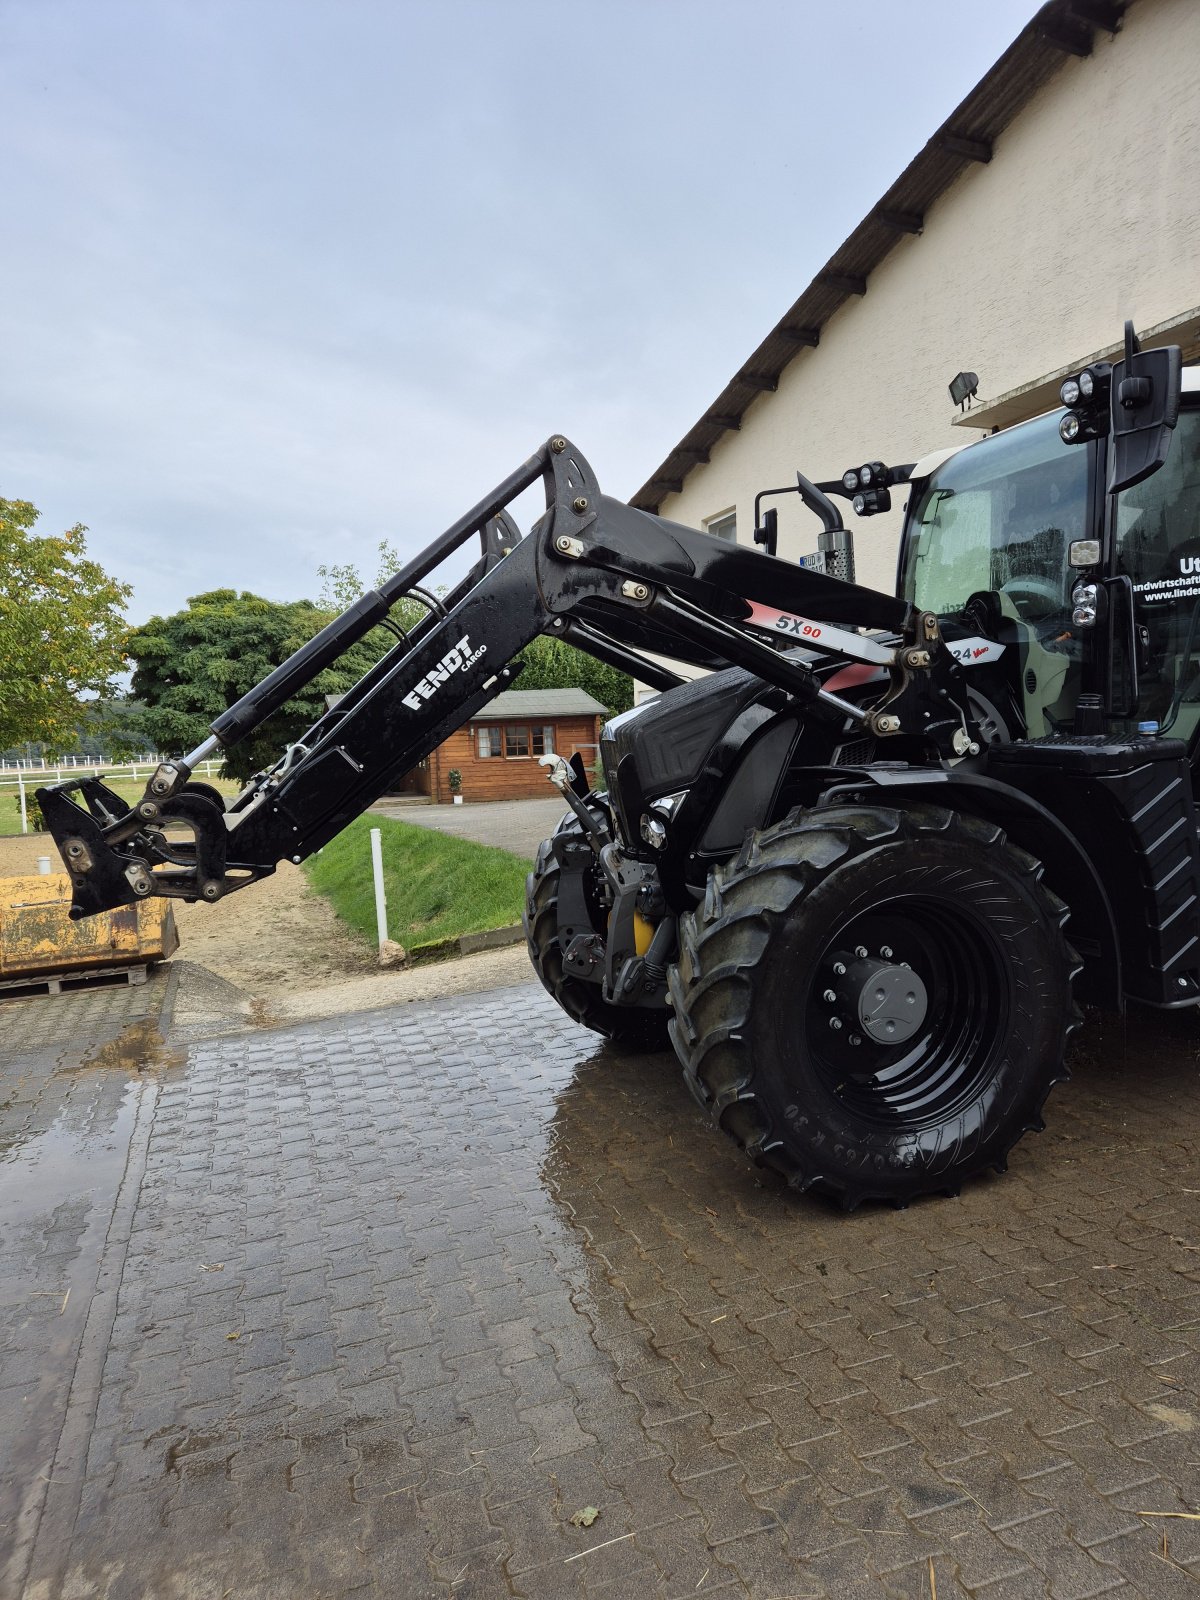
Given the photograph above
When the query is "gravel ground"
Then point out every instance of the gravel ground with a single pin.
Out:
(276, 953)
(276, 936)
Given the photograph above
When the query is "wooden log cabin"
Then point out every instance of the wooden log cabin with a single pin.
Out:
(497, 750)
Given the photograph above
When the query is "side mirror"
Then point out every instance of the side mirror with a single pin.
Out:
(1145, 407)
(767, 533)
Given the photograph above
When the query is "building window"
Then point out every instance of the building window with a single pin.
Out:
(723, 527)
(514, 740)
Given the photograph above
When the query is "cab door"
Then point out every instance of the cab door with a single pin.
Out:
(1157, 546)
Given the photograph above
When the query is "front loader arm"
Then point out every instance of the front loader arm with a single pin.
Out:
(612, 580)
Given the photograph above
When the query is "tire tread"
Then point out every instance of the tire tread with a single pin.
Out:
(721, 944)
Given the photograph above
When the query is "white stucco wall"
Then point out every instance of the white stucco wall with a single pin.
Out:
(1088, 213)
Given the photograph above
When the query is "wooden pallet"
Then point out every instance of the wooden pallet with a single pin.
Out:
(64, 982)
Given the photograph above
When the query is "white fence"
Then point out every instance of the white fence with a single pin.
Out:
(19, 778)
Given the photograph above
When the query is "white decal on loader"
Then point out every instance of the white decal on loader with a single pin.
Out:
(455, 660)
(972, 651)
(822, 634)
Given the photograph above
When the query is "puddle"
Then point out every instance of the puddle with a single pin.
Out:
(64, 1164)
(136, 1048)
(58, 1189)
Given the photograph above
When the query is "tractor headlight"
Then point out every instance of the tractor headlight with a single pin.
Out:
(654, 820)
(653, 831)
(1084, 599)
(1087, 385)
(1070, 428)
(850, 480)
(1070, 391)
(859, 503)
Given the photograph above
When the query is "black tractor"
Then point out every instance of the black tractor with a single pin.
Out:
(863, 867)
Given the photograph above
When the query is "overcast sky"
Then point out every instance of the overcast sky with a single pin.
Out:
(284, 279)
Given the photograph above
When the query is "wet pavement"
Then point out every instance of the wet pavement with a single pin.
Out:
(76, 1075)
(378, 1305)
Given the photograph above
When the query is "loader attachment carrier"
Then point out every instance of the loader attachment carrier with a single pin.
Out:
(611, 580)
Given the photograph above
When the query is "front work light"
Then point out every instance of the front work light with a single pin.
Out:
(867, 502)
(1087, 394)
(850, 480)
(1095, 382)
(1083, 553)
(1084, 599)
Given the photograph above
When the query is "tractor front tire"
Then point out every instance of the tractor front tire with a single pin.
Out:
(634, 1027)
(875, 1002)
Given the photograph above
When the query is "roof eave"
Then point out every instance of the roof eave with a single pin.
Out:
(1061, 28)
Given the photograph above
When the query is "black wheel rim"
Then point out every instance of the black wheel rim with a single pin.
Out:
(952, 1055)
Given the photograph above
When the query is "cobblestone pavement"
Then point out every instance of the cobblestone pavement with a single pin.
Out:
(71, 1090)
(406, 1291)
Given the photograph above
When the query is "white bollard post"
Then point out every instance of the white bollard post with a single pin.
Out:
(24, 817)
(380, 896)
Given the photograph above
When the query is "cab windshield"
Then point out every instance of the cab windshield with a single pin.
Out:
(993, 524)
(997, 518)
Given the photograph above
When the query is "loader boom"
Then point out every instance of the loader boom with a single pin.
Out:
(614, 581)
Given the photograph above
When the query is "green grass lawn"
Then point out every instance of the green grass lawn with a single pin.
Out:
(129, 790)
(438, 887)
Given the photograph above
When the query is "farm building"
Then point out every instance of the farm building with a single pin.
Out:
(1056, 200)
(497, 750)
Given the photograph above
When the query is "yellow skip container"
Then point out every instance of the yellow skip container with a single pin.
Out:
(38, 938)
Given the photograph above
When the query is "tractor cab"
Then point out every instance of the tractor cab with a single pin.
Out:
(1049, 587)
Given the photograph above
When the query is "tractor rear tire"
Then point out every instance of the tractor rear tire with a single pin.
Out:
(875, 1002)
(634, 1027)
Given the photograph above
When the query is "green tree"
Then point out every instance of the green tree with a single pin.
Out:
(193, 665)
(342, 585)
(113, 729)
(550, 663)
(62, 630)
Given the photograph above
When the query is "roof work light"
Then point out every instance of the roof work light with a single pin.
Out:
(1087, 393)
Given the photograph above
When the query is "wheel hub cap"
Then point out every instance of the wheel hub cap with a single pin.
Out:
(889, 1001)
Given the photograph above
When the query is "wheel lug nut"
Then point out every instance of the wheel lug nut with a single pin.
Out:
(839, 968)
(860, 950)
(829, 997)
(856, 1038)
(886, 952)
(835, 1023)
